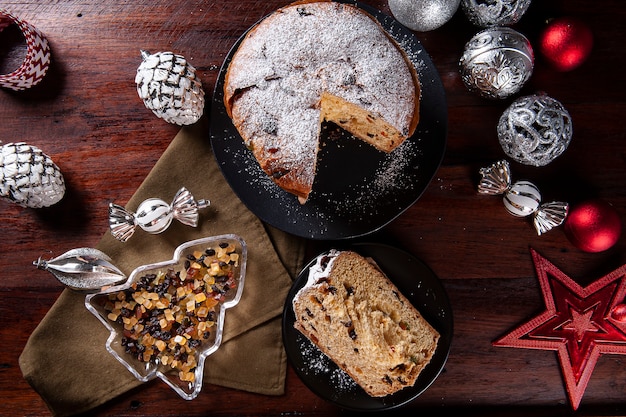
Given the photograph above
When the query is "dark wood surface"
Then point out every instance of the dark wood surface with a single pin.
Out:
(87, 116)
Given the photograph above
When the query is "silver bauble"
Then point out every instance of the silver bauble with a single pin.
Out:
(535, 129)
(485, 13)
(497, 62)
(423, 15)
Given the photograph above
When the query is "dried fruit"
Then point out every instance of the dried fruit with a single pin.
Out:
(168, 315)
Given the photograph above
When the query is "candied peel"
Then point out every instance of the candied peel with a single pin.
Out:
(168, 315)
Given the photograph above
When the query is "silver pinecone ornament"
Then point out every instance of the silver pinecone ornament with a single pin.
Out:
(29, 177)
(168, 86)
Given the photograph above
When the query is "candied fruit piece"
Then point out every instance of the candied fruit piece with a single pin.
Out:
(202, 312)
(167, 315)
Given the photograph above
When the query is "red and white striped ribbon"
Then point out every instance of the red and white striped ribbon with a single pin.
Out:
(37, 61)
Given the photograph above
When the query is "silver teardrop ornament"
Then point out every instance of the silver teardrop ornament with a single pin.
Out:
(83, 269)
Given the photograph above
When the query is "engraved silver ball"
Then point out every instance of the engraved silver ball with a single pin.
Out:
(485, 13)
(497, 62)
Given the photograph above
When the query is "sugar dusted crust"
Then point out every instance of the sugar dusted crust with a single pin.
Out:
(283, 67)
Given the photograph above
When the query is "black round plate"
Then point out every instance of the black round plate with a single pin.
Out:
(357, 189)
(420, 285)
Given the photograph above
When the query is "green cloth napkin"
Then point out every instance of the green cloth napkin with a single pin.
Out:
(65, 359)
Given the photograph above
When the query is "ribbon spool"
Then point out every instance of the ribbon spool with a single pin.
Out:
(37, 60)
(521, 198)
(155, 215)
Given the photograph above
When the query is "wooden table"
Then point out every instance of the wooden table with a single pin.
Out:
(86, 115)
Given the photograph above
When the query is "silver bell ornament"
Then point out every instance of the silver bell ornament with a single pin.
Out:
(522, 198)
(497, 62)
(423, 15)
(534, 130)
(28, 177)
(155, 215)
(168, 86)
(485, 13)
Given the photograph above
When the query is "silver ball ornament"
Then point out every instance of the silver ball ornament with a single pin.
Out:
(497, 62)
(522, 199)
(423, 15)
(494, 12)
(535, 129)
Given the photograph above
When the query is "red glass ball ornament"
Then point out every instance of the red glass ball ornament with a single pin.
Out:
(566, 43)
(593, 226)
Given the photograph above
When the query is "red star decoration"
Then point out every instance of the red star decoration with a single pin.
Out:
(580, 323)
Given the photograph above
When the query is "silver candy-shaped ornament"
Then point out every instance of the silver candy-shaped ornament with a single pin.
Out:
(155, 215)
(497, 62)
(534, 130)
(83, 269)
(485, 13)
(423, 15)
(29, 177)
(168, 86)
(521, 198)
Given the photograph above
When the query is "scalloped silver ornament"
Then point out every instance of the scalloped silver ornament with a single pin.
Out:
(549, 216)
(495, 179)
(522, 198)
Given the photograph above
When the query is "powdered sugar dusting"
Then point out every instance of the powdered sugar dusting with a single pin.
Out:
(394, 176)
(290, 58)
(318, 364)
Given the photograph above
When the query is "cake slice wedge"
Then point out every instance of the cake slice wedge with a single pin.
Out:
(355, 315)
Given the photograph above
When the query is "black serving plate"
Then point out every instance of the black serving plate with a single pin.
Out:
(420, 285)
(357, 189)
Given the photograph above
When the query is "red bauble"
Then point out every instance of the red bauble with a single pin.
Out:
(566, 43)
(593, 226)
